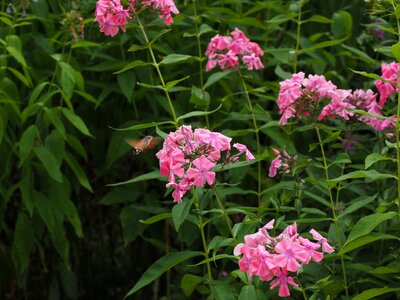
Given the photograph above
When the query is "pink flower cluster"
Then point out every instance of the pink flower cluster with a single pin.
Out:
(228, 51)
(282, 162)
(112, 16)
(272, 258)
(301, 97)
(390, 72)
(188, 157)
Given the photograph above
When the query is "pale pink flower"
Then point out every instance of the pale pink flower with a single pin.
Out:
(311, 249)
(289, 255)
(390, 72)
(282, 162)
(243, 149)
(164, 7)
(283, 280)
(111, 16)
(322, 241)
(230, 51)
(202, 171)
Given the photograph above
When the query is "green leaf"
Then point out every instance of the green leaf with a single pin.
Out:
(222, 292)
(198, 113)
(79, 172)
(342, 24)
(127, 83)
(76, 121)
(144, 177)
(24, 239)
(160, 34)
(396, 50)
(180, 212)
(199, 97)
(161, 266)
(2, 128)
(358, 203)
(189, 283)
(49, 162)
(319, 19)
(26, 187)
(134, 48)
(77, 146)
(132, 65)
(143, 126)
(175, 59)
(372, 293)
(366, 224)
(367, 239)
(26, 143)
(55, 118)
(25, 80)
(374, 158)
(85, 44)
(67, 79)
(17, 55)
(248, 292)
(171, 84)
(156, 218)
(215, 78)
(323, 45)
(369, 75)
(371, 174)
(37, 91)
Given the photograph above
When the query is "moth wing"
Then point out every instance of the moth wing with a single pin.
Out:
(153, 142)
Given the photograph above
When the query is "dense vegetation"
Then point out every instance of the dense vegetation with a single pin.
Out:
(83, 218)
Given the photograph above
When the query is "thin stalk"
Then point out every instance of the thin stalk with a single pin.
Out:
(302, 289)
(398, 125)
(257, 137)
(221, 206)
(321, 145)
(296, 51)
(205, 246)
(156, 65)
(200, 54)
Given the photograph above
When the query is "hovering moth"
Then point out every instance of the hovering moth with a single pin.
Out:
(144, 144)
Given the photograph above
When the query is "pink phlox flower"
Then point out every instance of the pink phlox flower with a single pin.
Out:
(239, 35)
(228, 60)
(265, 264)
(164, 7)
(289, 255)
(180, 189)
(290, 232)
(202, 171)
(283, 280)
(326, 248)
(378, 124)
(217, 140)
(218, 42)
(362, 99)
(310, 248)
(275, 165)
(337, 108)
(390, 72)
(253, 62)
(283, 163)
(243, 149)
(111, 16)
(319, 84)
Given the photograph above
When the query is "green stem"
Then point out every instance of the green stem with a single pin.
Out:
(257, 137)
(221, 206)
(200, 54)
(321, 145)
(302, 289)
(156, 65)
(296, 51)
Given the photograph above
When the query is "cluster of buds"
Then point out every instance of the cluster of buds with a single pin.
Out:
(282, 163)
(188, 157)
(228, 52)
(272, 258)
(74, 22)
(112, 15)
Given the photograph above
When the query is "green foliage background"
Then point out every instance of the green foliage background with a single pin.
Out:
(66, 232)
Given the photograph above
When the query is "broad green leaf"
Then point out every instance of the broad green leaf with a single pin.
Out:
(160, 34)
(49, 162)
(156, 218)
(358, 203)
(127, 83)
(132, 65)
(175, 59)
(79, 172)
(221, 291)
(189, 283)
(77, 146)
(199, 97)
(130, 221)
(248, 292)
(369, 75)
(67, 79)
(86, 96)
(171, 84)
(323, 45)
(375, 157)
(134, 48)
(76, 121)
(364, 240)
(24, 239)
(37, 91)
(55, 118)
(235, 165)
(319, 19)
(2, 128)
(198, 113)
(25, 80)
(215, 78)
(371, 174)
(17, 55)
(27, 142)
(372, 293)
(26, 187)
(396, 51)
(161, 266)
(342, 24)
(144, 177)
(120, 195)
(180, 212)
(366, 224)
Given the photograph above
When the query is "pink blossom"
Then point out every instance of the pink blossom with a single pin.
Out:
(164, 7)
(283, 280)
(322, 241)
(111, 16)
(310, 248)
(202, 171)
(275, 165)
(289, 255)
(282, 162)
(390, 72)
(230, 51)
(188, 156)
